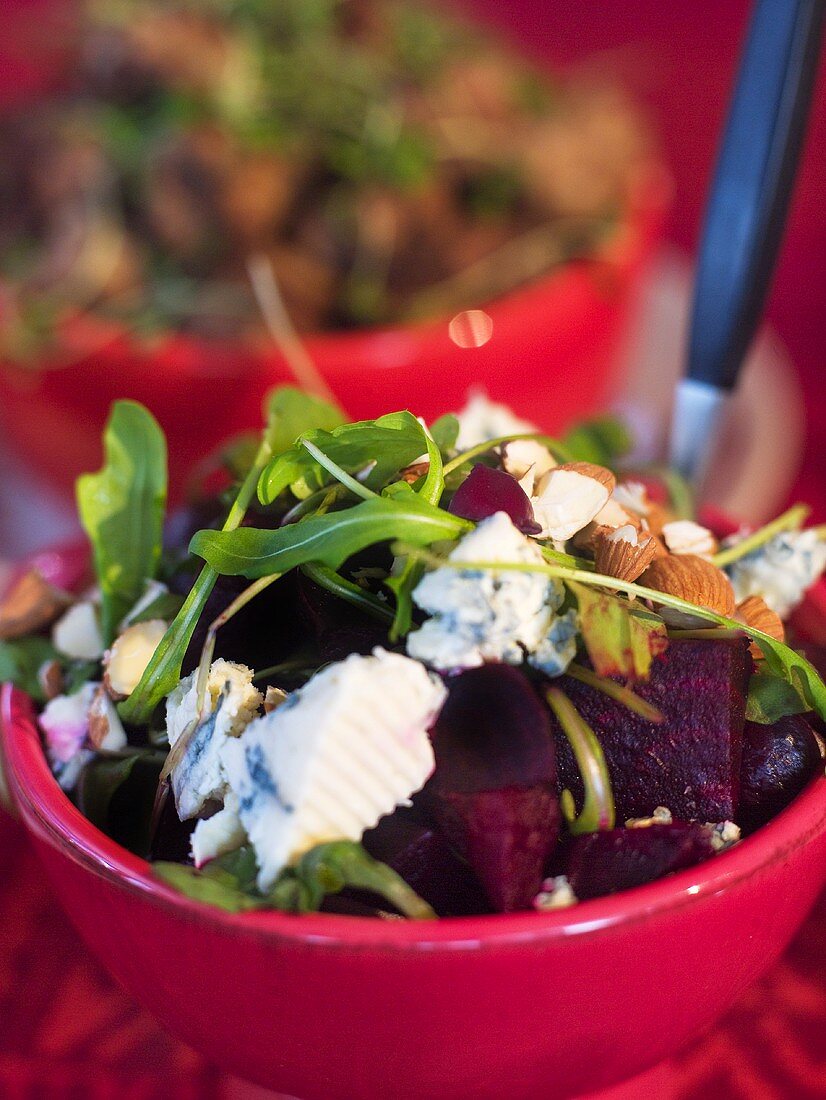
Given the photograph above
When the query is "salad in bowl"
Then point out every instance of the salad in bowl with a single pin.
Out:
(391, 669)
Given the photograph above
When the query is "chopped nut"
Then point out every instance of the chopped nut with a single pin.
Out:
(527, 460)
(612, 515)
(756, 613)
(693, 579)
(683, 536)
(131, 652)
(661, 816)
(623, 552)
(414, 471)
(274, 698)
(30, 604)
(106, 730)
(50, 678)
(569, 497)
(77, 634)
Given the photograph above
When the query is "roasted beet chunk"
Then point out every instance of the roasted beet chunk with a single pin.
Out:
(778, 762)
(691, 761)
(617, 859)
(418, 851)
(486, 491)
(493, 792)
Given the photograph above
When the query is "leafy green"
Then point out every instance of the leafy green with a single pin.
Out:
(291, 412)
(329, 539)
(20, 661)
(771, 698)
(329, 868)
(621, 640)
(212, 886)
(390, 443)
(445, 432)
(603, 440)
(348, 591)
(98, 782)
(122, 507)
(166, 605)
(598, 807)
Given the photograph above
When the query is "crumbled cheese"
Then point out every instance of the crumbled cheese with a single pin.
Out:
(683, 536)
(131, 652)
(723, 834)
(215, 836)
(556, 893)
(232, 701)
(77, 633)
(482, 419)
(780, 571)
(65, 723)
(485, 615)
(340, 753)
(661, 816)
(566, 501)
(558, 648)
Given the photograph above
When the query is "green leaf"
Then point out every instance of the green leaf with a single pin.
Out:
(391, 442)
(211, 889)
(122, 507)
(603, 441)
(771, 698)
(445, 432)
(598, 810)
(329, 539)
(20, 661)
(621, 640)
(290, 413)
(98, 782)
(329, 868)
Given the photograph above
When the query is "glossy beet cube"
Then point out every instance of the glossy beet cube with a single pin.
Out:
(618, 859)
(778, 762)
(691, 761)
(486, 491)
(493, 793)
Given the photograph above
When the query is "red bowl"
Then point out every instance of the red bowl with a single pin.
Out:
(324, 1007)
(551, 358)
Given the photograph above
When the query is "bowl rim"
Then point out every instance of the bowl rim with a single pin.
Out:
(49, 814)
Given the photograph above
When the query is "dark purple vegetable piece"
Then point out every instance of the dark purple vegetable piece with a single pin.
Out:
(618, 859)
(335, 626)
(691, 761)
(493, 792)
(778, 762)
(418, 851)
(486, 490)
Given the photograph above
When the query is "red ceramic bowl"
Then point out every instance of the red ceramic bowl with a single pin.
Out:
(524, 1005)
(551, 358)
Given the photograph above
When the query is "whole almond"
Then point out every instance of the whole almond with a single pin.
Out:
(622, 552)
(756, 613)
(30, 604)
(692, 579)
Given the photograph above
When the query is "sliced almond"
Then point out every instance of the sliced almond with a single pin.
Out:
(623, 552)
(756, 613)
(30, 604)
(692, 579)
(611, 515)
(105, 728)
(684, 536)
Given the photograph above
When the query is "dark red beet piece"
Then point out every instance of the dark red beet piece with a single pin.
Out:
(486, 491)
(337, 628)
(690, 762)
(778, 762)
(418, 851)
(618, 859)
(493, 792)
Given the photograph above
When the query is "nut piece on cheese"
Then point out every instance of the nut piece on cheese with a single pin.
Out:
(232, 701)
(334, 757)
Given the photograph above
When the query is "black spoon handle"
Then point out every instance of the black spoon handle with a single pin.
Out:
(752, 185)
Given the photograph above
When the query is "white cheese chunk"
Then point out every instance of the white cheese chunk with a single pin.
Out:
(77, 633)
(232, 701)
(336, 756)
(484, 615)
(215, 836)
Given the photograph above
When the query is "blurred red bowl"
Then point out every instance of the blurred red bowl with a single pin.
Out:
(552, 358)
(522, 1005)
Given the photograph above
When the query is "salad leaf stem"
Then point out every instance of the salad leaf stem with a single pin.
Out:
(790, 520)
(598, 807)
(613, 690)
(333, 582)
(557, 449)
(340, 475)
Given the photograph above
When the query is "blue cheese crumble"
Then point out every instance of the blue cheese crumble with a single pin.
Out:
(337, 755)
(781, 570)
(485, 615)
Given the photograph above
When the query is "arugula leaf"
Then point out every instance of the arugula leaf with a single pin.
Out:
(602, 440)
(329, 868)
(621, 640)
(291, 412)
(598, 810)
(20, 661)
(771, 698)
(391, 442)
(445, 432)
(209, 886)
(329, 539)
(121, 508)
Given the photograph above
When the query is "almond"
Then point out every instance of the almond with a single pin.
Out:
(623, 552)
(683, 536)
(657, 518)
(692, 579)
(105, 729)
(611, 515)
(568, 498)
(756, 613)
(274, 698)
(589, 469)
(30, 604)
